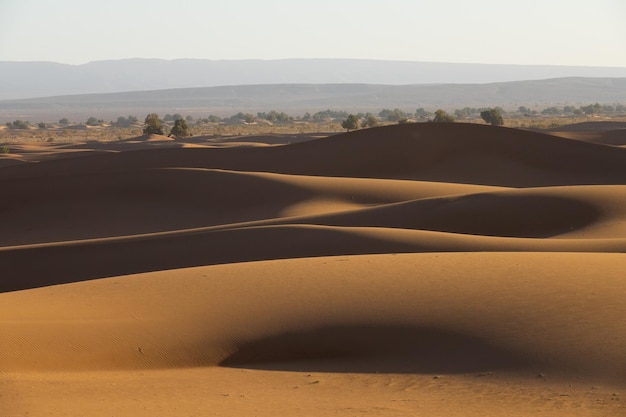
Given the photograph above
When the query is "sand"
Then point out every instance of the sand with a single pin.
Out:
(422, 269)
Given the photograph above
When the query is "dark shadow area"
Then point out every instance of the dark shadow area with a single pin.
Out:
(370, 349)
(41, 266)
(484, 214)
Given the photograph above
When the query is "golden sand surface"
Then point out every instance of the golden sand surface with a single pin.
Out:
(419, 269)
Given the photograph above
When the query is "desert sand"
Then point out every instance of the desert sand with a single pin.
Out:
(419, 269)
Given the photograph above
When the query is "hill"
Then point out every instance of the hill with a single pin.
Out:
(300, 98)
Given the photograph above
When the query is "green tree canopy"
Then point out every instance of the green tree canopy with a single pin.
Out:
(275, 117)
(442, 117)
(422, 113)
(153, 125)
(370, 121)
(243, 117)
(325, 115)
(92, 121)
(492, 116)
(351, 123)
(125, 121)
(180, 129)
(394, 115)
(18, 124)
(554, 111)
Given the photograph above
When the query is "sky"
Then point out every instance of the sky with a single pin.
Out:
(542, 32)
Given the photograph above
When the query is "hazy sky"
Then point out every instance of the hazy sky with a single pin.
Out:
(562, 32)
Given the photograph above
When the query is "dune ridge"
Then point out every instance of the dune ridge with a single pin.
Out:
(487, 258)
(459, 153)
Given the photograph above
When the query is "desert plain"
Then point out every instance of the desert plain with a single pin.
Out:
(424, 269)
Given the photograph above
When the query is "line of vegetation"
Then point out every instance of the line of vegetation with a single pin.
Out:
(324, 122)
(489, 115)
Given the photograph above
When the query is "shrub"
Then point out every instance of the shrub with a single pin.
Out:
(125, 121)
(92, 121)
(493, 117)
(18, 124)
(180, 129)
(443, 117)
(153, 125)
(394, 115)
(370, 121)
(351, 123)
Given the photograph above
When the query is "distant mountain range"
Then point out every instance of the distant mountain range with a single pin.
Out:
(296, 99)
(42, 79)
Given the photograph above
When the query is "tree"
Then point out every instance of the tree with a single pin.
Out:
(125, 121)
(555, 111)
(351, 123)
(442, 117)
(462, 113)
(153, 125)
(569, 109)
(243, 117)
(18, 124)
(180, 129)
(591, 108)
(394, 115)
(92, 121)
(326, 115)
(64, 121)
(492, 116)
(370, 121)
(421, 113)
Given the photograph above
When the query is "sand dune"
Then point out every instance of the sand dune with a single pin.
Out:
(607, 133)
(443, 269)
(459, 153)
(355, 309)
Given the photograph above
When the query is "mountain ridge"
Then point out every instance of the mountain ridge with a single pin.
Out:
(46, 79)
(297, 99)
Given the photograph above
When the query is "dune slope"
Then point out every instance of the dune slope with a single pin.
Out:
(443, 269)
